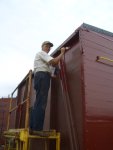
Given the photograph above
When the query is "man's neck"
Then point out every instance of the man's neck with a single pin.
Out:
(44, 51)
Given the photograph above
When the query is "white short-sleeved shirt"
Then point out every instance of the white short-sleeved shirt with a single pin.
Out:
(41, 62)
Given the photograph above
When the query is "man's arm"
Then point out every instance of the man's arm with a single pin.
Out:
(56, 60)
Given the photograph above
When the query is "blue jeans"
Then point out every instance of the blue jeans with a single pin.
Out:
(41, 85)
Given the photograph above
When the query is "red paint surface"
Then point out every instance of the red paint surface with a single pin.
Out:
(98, 84)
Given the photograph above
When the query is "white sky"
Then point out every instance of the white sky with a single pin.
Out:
(25, 24)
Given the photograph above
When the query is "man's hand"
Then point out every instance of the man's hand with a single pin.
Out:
(56, 60)
(63, 49)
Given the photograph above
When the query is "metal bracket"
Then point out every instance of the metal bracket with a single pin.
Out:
(105, 60)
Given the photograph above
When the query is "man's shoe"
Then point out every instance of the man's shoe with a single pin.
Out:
(39, 133)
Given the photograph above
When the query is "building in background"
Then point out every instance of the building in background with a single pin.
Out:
(4, 110)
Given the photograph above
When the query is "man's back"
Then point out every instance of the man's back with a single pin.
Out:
(41, 62)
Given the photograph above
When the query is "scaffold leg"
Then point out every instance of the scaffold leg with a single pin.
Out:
(22, 138)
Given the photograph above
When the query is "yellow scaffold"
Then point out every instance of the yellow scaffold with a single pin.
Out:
(20, 139)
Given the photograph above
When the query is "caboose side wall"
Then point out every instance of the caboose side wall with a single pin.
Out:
(98, 85)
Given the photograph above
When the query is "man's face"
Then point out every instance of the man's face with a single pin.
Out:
(46, 48)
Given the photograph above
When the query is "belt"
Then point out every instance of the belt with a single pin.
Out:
(43, 72)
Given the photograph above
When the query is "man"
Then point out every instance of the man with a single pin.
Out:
(42, 76)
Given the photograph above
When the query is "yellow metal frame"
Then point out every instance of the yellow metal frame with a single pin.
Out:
(21, 138)
(27, 100)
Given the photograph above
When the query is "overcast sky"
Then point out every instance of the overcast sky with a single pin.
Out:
(25, 24)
